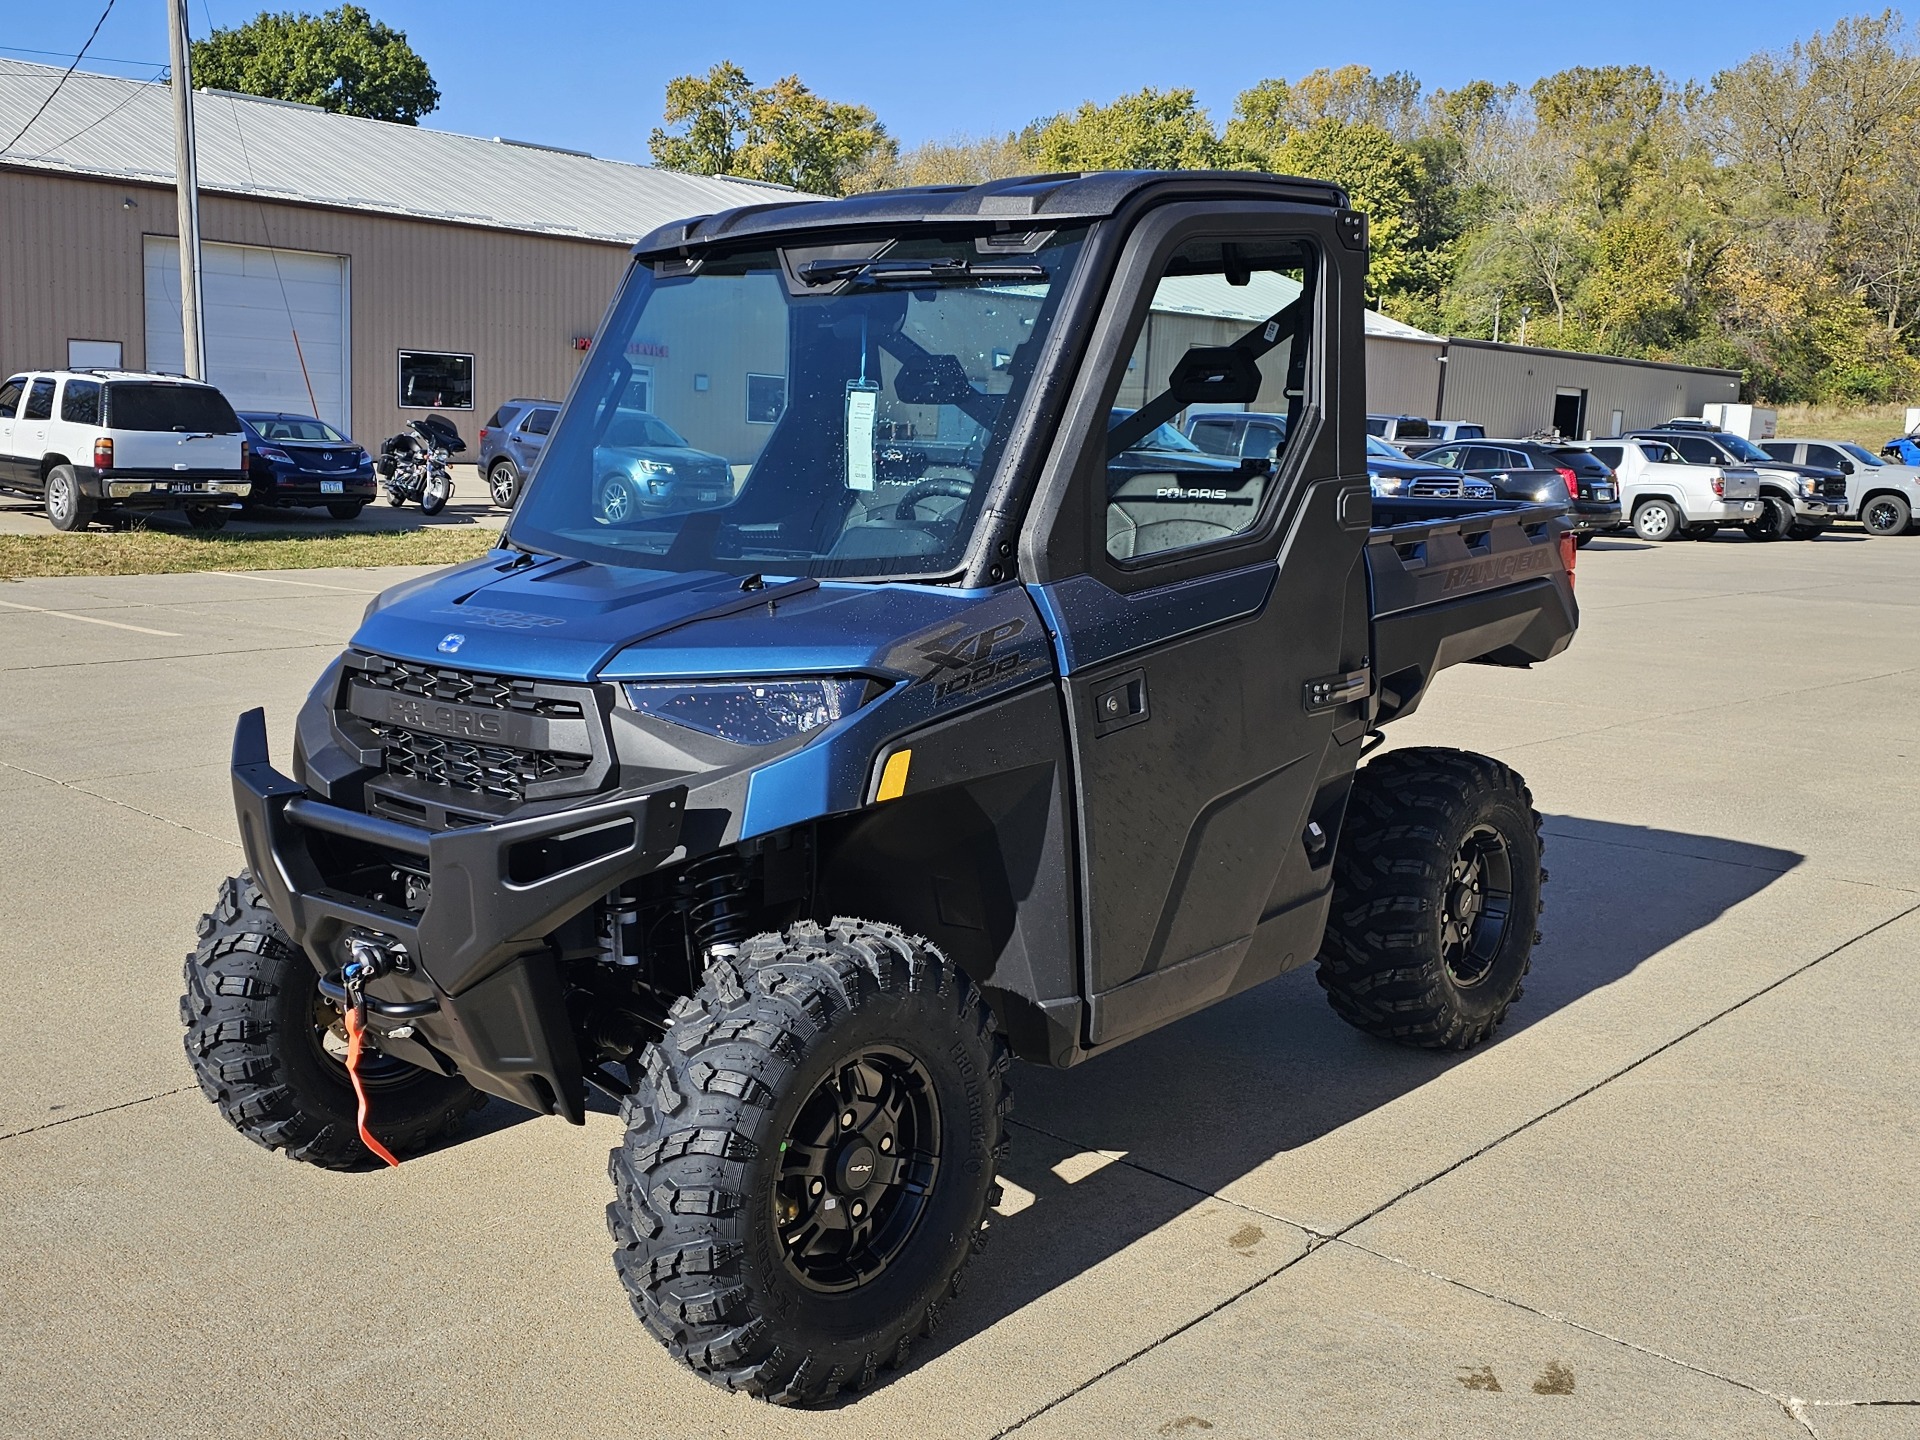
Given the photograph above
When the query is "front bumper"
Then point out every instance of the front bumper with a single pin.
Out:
(1818, 510)
(474, 992)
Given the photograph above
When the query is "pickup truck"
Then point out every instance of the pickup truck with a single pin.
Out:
(1797, 502)
(786, 823)
(1665, 498)
(1881, 495)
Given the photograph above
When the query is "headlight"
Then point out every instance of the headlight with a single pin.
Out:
(1386, 484)
(750, 712)
(652, 467)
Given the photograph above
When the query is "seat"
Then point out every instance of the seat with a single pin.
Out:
(1150, 513)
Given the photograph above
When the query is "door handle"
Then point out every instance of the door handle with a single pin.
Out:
(1330, 692)
(1122, 702)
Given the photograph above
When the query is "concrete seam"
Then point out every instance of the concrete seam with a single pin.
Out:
(1792, 1404)
(82, 790)
(91, 1114)
(168, 659)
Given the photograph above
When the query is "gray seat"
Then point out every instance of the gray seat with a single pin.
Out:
(1151, 513)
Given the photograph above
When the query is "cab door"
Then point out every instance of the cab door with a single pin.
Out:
(1210, 613)
(30, 434)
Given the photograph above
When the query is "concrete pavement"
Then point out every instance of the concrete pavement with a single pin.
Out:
(1675, 1198)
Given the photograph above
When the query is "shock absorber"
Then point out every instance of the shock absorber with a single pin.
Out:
(713, 891)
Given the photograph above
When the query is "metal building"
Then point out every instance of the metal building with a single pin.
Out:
(364, 271)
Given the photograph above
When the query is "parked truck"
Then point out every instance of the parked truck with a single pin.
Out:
(787, 822)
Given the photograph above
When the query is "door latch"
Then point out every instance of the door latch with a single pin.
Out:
(1330, 692)
(1120, 703)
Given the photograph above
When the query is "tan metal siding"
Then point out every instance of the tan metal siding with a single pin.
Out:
(70, 267)
(1511, 391)
(1403, 376)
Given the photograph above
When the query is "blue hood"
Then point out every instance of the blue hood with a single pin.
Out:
(552, 619)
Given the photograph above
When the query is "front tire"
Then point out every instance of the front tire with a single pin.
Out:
(1775, 522)
(1436, 894)
(1656, 520)
(809, 1160)
(264, 1046)
(67, 507)
(1886, 515)
(619, 501)
(433, 499)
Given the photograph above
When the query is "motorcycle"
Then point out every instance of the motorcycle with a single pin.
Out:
(413, 464)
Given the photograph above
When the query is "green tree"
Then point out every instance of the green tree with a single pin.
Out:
(1612, 120)
(1382, 178)
(1266, 115)
(781, 132)
(956, 160)
(1148, 130)
(344, 61)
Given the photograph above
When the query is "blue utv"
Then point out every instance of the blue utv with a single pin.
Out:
(945, 717)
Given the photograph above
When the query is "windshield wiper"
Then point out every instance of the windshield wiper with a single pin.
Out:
(913, 272)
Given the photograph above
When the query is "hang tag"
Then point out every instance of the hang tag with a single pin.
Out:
(1271, 332)
(861, 402)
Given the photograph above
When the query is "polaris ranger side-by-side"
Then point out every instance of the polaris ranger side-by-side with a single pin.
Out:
(968, 712)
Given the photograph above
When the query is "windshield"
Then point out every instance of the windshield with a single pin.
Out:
(159, 407)
(1381, 450)
(292, 427)
(1743, 448)
(806, 412)
(1864, 457)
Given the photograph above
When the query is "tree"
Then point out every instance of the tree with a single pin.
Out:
(1612, 119)
(957, 160)
(344, 61)
(781, 132)
(1269, 113)
(1149, 130)
(1382, 179)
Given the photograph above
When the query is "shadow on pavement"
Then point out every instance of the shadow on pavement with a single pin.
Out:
(1212, 1097)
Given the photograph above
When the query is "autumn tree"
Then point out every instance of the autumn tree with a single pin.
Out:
(344, 61)
(1148, 130)
(781, 132)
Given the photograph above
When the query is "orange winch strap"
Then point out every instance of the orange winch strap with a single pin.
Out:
(354, 1034)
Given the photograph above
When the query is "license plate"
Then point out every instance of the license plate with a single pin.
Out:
(332, 487)
(1603, 492)
(1750, 506)
(185, 487)
(705, 497)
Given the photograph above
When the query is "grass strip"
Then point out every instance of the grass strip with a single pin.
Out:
(160, 552)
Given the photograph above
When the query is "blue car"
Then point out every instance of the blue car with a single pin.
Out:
(298, 460)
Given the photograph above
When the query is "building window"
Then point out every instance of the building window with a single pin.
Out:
(94, 355)
(435, 380)
(766, 398)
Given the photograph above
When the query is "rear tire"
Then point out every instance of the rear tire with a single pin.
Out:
(503, 481)
(1701, 532)
(67, 508)
(346, 509)
(738, 1201)
(1775, 522)
(1580, 542)
(1436, 896)
(1886, 515)
(206, 518)
(253, 1013)
(1656, 520)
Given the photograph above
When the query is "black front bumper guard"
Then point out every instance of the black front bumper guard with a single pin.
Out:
(472, 989)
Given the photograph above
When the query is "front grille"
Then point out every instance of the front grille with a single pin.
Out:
(1834, 489)
(1444, 489)
(466, 687)
(463, 765)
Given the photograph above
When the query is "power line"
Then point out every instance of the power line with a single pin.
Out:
(62, 80)
(102, 59)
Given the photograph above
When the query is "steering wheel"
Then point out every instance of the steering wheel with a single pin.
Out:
(944, 488)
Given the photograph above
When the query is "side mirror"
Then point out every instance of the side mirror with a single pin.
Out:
(1846, 467)
(1215, 375)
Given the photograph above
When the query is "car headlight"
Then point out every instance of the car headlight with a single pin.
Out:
(751, 712)
(652, 467)
(1386, 484)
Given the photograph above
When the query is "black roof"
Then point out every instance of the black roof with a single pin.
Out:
(1032, 201)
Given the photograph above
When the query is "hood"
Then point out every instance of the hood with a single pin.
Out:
(665, 454)
(554, 618)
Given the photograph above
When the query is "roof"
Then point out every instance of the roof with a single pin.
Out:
(1043, 199)
(105, 126)
(1264, 294)
(61, 372)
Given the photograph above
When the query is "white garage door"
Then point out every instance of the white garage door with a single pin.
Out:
(254, 309)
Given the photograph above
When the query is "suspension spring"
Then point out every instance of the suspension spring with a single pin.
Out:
(714, 892)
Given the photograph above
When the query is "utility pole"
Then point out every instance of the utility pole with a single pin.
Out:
(1525, 311)
(1497, 297)
(193, 335)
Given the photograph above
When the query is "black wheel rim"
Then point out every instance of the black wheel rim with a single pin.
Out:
(857, 1170)
(1880, 517)
(1476, 906)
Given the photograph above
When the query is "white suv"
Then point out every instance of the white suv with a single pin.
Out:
(81, 439)
(1665, 498)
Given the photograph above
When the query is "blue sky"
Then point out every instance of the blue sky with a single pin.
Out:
(589, 74)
